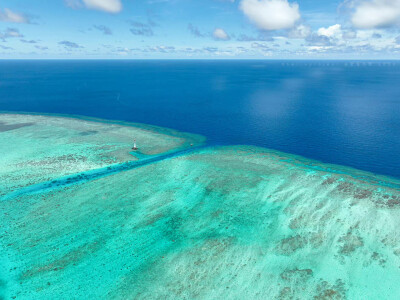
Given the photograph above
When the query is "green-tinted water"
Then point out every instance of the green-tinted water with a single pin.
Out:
(40, 148)
(231, 222)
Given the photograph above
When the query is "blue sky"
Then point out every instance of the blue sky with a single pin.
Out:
(257, 29)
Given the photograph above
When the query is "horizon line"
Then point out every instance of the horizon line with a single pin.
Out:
(209, 59)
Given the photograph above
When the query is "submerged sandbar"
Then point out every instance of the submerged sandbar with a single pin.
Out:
(222, 222)
(37, 148)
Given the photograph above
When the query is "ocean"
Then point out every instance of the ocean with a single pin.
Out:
(85, 216)
(339, 112)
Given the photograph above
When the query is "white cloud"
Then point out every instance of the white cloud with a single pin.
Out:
(319, 48)
(338, 33)
(376, 13)
(9, 16)
(271, 14)
(110, 6)
(220, 34)
(333, 35)
(334, 31)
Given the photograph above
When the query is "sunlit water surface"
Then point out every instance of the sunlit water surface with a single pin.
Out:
(345, 113)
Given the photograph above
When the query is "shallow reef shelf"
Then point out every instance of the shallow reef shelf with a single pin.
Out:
(37, 148)
(83, 177)
(235, 222)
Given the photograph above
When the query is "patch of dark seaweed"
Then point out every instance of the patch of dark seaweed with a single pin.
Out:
(290, 245)
(387, 201)
(286, 293)
(378, 258)
(7, 127)
(326, 291)
(71, 258)
(362, 194)
(329, 180)
(50, 161)
(350, 243)
(297, 275)
(89, 132)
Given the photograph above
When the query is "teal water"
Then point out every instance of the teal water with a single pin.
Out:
(42, 148)
(194, 223)
(86, 176)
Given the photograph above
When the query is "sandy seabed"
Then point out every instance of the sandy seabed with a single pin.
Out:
(235, 222)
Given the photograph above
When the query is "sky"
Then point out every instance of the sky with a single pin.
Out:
(200, 29)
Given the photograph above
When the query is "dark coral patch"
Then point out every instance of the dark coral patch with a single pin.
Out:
(7, 127)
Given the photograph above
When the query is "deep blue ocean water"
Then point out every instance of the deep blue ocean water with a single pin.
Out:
(338, 112)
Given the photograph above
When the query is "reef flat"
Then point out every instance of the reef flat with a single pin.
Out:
(222, 222)
(36, 148)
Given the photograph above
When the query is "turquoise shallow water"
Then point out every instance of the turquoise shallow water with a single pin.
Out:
(38, 148)
(210, 223)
